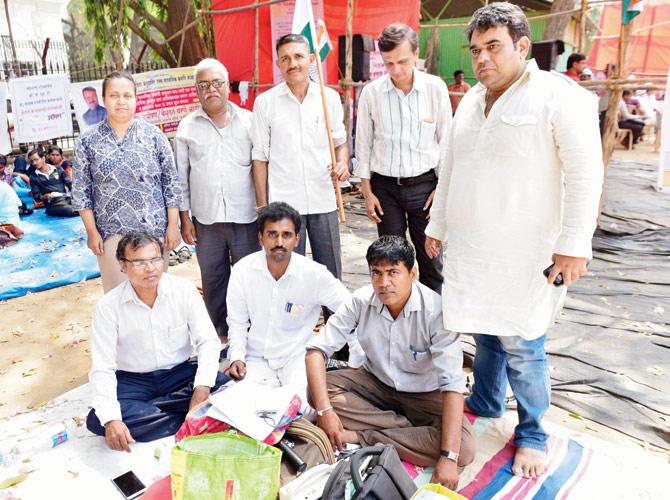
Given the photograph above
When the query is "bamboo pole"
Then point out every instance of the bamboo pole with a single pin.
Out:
(348, 57)
(17, 66)
(329, 132)
(582, 26)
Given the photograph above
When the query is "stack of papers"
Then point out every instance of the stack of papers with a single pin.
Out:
(251, 408)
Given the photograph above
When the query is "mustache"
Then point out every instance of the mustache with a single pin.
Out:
(277, 248)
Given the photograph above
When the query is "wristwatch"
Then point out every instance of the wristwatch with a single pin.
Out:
(449, 455)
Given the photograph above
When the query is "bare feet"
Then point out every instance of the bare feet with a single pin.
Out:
(529, 462)
(349, 437)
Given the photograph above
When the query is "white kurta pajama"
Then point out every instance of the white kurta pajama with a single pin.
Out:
(516, 187)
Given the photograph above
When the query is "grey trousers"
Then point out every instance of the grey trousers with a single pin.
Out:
(324, 239)
(220, 246)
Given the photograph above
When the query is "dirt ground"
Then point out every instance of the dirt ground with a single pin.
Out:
(48, 354)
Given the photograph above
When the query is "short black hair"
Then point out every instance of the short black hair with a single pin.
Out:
(39, 151)
(292, 38)
(3, 160)
(627, 92)
(118, 74)
(89, 89)
(574, 58)
(458, 72)
(394, 34)
(391, 248)
(136, 239)
(499, 14)
(276, 211)
(53, 148)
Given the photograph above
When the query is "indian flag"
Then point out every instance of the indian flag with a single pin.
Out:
(630, 9)
(303, 24)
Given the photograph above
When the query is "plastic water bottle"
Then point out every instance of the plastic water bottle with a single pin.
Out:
(46, 439)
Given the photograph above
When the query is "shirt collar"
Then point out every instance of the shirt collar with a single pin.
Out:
(413, 304)
(282, 89)
(128, 293)
(531, 69)
(232, 109)
(261, 264)
(51, 171)
(418, 82)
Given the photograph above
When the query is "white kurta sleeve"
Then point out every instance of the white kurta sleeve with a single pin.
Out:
(260, 131)
(575, 122)
(364, 134)
(104, 337)
(239, 320)
(203, 338)
(437, 227)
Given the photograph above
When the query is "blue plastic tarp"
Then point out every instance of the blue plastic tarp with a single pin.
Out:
(52, 253)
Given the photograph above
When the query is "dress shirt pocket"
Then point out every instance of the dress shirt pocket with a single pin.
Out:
(426, 134)
(177, 337)
(416, 359)
(293, 316)
(514, 135)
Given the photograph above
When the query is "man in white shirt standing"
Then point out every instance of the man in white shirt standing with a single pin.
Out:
(291, 158)
(520, 189)
(274, 300)
(404, 120)
(213, 155)
(144, 332)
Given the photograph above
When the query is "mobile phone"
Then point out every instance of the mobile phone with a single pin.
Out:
(559, 279)
(129, 485)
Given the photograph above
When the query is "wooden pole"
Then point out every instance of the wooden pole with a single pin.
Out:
(582, 26)
(331, 145)
(17, 66)
(348, 57)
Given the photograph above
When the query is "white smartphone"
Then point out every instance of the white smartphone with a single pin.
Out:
(129, 485)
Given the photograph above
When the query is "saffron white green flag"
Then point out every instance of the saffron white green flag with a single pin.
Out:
(303, 24)
(631, 8)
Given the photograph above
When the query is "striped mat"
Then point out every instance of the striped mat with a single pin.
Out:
(580, 466)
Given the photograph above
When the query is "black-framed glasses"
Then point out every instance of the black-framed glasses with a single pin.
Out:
(217, 84)
(137, 263)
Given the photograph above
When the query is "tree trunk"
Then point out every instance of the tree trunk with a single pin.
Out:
(180, 13)
(556, 26)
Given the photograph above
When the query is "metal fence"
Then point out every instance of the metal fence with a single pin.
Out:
(81, 73)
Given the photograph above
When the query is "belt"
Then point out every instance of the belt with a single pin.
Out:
(410, 181)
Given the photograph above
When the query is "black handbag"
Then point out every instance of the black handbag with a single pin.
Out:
(382, 477)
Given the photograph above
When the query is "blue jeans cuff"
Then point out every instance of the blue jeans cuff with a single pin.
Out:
(532, 444)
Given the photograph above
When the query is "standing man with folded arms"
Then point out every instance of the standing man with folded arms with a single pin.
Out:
(404, 120)
(520, 189)
(291, 153)
(218, 211)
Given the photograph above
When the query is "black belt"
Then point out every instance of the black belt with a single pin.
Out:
(410, 181)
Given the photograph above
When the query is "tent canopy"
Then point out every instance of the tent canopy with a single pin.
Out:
(234, 33)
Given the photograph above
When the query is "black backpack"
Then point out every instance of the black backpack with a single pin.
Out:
(384, 477)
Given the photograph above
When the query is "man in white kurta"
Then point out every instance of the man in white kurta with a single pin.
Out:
(520, 189)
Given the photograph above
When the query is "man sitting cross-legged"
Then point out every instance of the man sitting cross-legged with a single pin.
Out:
(274, 301)
(409, 392)
(144, 332)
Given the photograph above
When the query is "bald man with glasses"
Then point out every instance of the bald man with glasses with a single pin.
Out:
(144, 333)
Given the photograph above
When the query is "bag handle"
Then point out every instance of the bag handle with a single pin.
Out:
(356, 461)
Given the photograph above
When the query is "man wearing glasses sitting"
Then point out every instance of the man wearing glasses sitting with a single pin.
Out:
(218, 210)
(143, 334)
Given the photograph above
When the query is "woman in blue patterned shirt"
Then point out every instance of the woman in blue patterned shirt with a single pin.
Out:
(125, 179)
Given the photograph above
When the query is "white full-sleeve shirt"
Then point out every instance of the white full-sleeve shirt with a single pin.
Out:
(214, 166)
(516, 187)
(400, 135)
(291, 136)
(128, 335)
(273, 319)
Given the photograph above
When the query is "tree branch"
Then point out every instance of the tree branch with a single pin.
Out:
(153, 20)
(160, 49)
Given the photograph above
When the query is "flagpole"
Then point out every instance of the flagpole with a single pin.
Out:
(331, 145)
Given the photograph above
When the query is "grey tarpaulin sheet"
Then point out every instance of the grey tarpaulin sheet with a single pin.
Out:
(609, 352)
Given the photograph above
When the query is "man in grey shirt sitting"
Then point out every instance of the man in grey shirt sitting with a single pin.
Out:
(409, 390)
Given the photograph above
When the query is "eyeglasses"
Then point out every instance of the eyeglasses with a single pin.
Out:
(138, 263)
(217, 84)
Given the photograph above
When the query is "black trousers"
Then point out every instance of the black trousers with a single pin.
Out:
(635, 126)
(60, 207)
(403, 209)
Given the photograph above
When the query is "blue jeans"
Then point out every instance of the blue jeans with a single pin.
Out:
(524, 364)
(154, 404)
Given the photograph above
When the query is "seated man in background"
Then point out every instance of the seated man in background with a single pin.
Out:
(144, 331)
(55, 157)
(10, 231)
(51, 185)
(409, 392)
(274, 300)
(19, 183)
